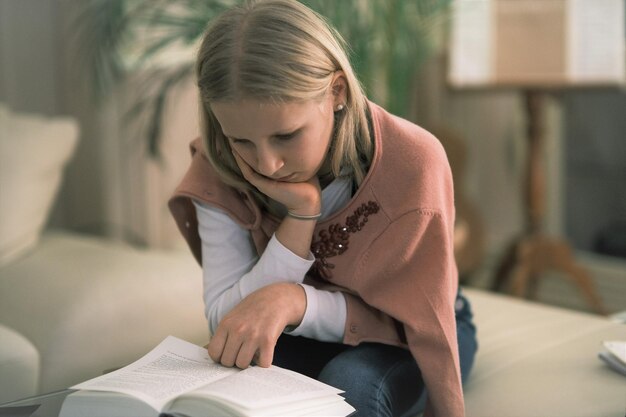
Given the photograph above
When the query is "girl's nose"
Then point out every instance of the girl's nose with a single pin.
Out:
(268, 162)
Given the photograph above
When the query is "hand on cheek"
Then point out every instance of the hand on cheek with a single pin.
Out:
(299, 197)
(246, 170)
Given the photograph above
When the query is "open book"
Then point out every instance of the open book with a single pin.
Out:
(178, 378)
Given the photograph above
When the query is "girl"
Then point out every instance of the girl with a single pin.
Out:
(323, 223)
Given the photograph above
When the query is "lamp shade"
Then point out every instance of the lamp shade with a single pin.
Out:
(543, 43)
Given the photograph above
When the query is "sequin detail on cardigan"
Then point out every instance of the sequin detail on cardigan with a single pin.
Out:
(335, 240)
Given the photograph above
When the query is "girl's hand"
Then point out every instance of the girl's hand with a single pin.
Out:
(250, 330)
(299, 197)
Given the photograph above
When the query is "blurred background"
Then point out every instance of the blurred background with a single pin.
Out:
(120, 70)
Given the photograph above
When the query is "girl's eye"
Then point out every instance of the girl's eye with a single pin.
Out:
(287, 136)
(239, 141)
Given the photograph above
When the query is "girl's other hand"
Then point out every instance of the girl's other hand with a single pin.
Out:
(248, 333)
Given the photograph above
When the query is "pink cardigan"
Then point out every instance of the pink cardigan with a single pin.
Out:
(390, 250)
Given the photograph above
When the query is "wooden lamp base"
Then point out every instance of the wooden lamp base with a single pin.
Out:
(533, 255)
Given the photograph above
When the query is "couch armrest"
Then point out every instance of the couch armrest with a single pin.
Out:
(89, 305)
(19, 366)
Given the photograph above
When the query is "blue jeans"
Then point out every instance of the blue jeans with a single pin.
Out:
(378, 380)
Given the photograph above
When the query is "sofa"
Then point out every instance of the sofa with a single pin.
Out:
(75, 306)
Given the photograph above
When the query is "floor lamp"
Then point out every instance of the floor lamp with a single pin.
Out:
(538, 47)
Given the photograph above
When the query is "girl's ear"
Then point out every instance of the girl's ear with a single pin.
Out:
(339, 89)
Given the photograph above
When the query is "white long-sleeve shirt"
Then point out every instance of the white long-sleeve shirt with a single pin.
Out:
(232, 269)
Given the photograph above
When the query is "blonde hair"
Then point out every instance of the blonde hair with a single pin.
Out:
(279, 51)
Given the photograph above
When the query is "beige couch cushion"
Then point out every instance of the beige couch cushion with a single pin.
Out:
(33, 152)
(536, 361)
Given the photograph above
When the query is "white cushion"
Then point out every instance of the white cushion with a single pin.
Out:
(33, 151)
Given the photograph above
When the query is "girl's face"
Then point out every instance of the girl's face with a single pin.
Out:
(281, 141)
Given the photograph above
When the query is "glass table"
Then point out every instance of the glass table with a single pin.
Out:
(44, 405)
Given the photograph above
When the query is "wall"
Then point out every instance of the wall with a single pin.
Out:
(595, 150)
(30, 70)
(491, 124)
(110, 187)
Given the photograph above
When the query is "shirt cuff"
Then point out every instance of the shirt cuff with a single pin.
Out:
(282, 250)
(325, 316)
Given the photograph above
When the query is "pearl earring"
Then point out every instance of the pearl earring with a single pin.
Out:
(340, 107)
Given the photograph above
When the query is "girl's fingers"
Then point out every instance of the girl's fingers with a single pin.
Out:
(216, 346)
(231, 351)
(246, 355)
(265, 356)
(291, 195)
(245, 169)
(248, 173)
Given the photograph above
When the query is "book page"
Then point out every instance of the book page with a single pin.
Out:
(257, 388)
(169, 370)
(190, 405)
